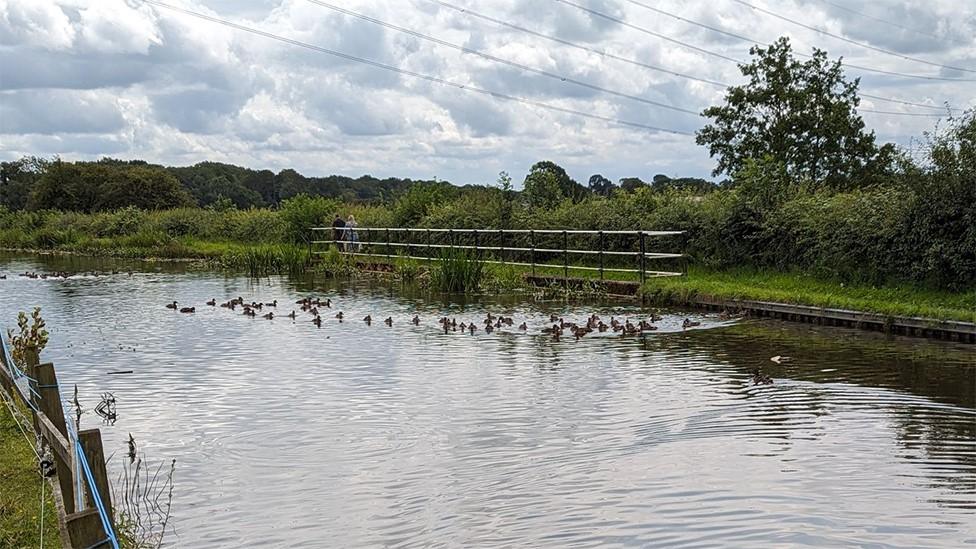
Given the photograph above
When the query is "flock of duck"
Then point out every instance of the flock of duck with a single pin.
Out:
(556, 327)
(58, 274)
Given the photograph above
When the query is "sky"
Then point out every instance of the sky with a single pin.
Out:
(126, 79)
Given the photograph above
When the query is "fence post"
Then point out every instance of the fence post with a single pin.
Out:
(388, 245)
(532, 250)
(643, 257)
(91, 445)
(430, 251)
(49, 403)
(566, 257)
(601, 254)
(501, 245)
(476, 244)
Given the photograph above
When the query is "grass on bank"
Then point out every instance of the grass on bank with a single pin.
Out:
(801, 289)
(20, 491)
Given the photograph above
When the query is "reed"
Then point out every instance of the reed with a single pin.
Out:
(457, 272)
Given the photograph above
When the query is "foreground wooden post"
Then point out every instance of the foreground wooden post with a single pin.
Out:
(85, 530)
(49, 404)
(91, 445)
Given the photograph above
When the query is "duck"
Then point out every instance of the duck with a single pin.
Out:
(171, 305)
(416, 320)
(388, 321)
(3, 277)
(328, 303)
(523, 327)
(553, 318)
(314, 311)
(269, 316)
(292, 315)
(759, 378)
(472, 328)
(464, 327)
(272, 304)
(249, 312)
(655, 317)
(368, 319)
(489, 328)
(555, 335)
(647, 326)
(212, 303)
(447, 328)
(339, 316)
(317, 321)
(601, 327)
(690, 323)
(188, 310)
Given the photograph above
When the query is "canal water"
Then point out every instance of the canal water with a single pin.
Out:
(346, 435)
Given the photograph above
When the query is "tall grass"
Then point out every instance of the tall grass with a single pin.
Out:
(267, 259)
(457, 272)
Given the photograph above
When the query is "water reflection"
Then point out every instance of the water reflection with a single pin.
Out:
(293, 434)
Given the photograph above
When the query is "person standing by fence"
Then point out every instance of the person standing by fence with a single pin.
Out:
(351, 235)
(338, 231)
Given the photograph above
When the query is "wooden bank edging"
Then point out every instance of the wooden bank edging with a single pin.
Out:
(953, 330)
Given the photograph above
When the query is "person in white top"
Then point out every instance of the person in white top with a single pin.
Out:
(351, 236)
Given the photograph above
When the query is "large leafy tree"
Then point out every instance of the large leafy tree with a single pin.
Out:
(547, 184)
(800, 114)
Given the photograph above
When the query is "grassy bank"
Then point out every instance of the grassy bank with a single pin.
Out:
(20, 492)
(801, 289)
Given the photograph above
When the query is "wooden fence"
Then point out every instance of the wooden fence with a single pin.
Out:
(79, 459)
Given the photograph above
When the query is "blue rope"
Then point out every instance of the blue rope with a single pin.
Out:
(102, 514)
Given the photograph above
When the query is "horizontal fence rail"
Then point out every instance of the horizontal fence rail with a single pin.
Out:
(615, 251)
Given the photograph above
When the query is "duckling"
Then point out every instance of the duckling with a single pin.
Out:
(655, 317)
(555, 335)
(388, 321)
(188, 310)
(292, 315)
(447, 328)
(339, 316)
(498, 324)
(368, 319)
(523, 327)
(472, 328)
(759, 378)
(416, 320)
(269, 316)
(508, 321)
(464, 327)
(212, 303)
(3, 277)
(272, 304)
(489, 328)
(227, 304)
(601, 327)
(328, 303)
(171, 305)
(314, 311)
(249, 312)
(553, 318)
(454, 324)
(690, 323)
(317, 321)
(644, 325)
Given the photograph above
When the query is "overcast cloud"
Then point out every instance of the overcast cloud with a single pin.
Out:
(84, 79)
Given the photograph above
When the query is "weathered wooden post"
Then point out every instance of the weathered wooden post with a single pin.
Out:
(430, 250)
(48, 402)
(91, 445)
(532, 250)
(643, 258)
(501, 245)
(566, 258)
(602, 246)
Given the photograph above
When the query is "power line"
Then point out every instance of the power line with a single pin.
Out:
(624, 23)
(757, 42)
(850, 41)
(558, 40)
(503, 61)
(878, 19)
(760, 43)
(413, 74)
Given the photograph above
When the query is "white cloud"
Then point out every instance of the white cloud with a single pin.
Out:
(82, 78)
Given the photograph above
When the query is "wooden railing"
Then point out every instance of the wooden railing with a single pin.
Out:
(522, 247)
(79, 459)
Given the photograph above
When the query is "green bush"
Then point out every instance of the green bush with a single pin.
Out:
(457, 272)
(303, 212)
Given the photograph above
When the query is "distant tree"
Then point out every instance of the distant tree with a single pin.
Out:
(142, 187)
(107, 185)
(547, 183)
(507, 205)
(660, 179)
(17, 178)
(803, 115)
(631, 184)
(600, 185)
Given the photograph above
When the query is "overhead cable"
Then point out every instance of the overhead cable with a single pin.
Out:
(410, 73)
